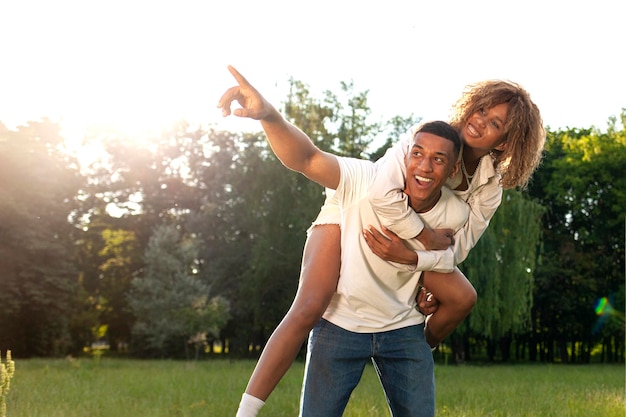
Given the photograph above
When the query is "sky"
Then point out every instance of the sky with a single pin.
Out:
(138, 65)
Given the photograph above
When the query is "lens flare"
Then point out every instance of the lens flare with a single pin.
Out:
(605, 311)
(603, 306)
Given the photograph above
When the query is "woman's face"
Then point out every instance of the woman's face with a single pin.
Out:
(484, 129)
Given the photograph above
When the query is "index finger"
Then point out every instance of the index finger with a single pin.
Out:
(241, 80)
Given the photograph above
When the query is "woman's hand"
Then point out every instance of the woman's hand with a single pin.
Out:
(436, 239)
(389, 246)
(426, 303)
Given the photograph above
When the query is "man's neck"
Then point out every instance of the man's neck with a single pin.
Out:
(424, 205)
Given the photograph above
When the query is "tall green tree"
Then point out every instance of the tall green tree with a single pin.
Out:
(120, 262)
(146, 177)
(169, 301)
(501, 268)
(225, 221)
(355, 130)
(582, 182)
(392, 131)
(38, 274)
(134, 185)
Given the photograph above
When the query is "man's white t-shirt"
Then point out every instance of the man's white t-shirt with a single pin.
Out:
(373, 295)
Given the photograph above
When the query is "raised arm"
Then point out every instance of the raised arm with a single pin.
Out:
(292, 146)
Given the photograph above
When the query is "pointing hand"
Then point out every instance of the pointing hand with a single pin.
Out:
(252, 103)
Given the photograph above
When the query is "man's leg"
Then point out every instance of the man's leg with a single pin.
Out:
(405, 367)
(334, 365)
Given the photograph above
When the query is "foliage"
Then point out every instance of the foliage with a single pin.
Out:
(7, 370)
(38, 274)
(501, 268)
(395, 128)
(582, 183)
(121, 261)
(203, 231)
(169, 301)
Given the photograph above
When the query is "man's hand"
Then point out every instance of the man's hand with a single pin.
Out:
(252, 103)
(426, 303)
(389, 246)
(436, 239)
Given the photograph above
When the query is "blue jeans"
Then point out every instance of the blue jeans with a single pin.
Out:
(336, 359)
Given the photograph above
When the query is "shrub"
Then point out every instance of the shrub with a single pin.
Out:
(6, 374)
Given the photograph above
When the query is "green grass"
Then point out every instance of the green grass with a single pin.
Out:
(132, 388)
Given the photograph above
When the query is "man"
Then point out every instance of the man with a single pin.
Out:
(373, 314)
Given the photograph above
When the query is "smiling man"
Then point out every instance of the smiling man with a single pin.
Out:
(373, 314)
(373, 295)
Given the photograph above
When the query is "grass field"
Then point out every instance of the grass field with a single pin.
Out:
(132, 388)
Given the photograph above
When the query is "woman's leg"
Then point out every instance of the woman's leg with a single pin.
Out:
(456, 297)
(318, 282)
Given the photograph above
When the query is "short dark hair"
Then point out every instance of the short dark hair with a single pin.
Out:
(444, 130)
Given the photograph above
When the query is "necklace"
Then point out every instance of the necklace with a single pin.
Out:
(468, 176)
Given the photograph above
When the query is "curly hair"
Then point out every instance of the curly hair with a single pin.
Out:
(524, 133)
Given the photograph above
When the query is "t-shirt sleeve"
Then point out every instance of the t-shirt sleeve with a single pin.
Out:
(356, 176)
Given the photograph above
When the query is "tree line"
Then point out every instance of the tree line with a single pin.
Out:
(170, 244)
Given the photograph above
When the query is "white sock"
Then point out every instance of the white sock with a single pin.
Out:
(249, 406)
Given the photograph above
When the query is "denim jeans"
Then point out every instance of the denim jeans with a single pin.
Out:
(336, 359)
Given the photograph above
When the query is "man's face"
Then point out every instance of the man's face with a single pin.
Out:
(429, 163)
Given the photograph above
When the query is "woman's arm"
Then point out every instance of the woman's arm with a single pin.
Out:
(391, 205)
(390, 202)
(386, 195)
(483, 204)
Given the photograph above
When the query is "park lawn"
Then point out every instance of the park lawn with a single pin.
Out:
(136, 388)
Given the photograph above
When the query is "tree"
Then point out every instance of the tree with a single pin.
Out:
(354, 131)
(136, 184)
(229, 218)
(120, 261)
(394, 129)
(501, 268)
(582, 182)
(38, 274)
(170, 303)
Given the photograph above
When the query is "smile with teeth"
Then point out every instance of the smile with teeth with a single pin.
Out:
(472, 131)
(423, 179)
